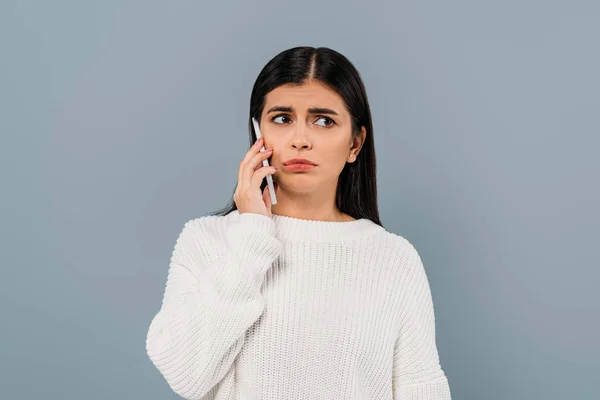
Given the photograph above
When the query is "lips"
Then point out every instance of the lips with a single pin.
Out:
(298, 167)
(299, 161)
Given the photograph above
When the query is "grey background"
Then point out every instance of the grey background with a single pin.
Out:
(121, 120)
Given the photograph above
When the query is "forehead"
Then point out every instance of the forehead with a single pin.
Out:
(301, 97)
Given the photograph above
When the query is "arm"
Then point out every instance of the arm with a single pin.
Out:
(210, 302)
(417, 374)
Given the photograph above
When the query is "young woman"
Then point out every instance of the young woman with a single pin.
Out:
(310, 298)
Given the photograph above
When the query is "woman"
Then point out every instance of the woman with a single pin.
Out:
(308, 298)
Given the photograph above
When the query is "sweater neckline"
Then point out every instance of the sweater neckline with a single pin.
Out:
(297, 229)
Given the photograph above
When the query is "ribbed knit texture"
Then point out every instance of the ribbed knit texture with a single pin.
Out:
(284, 308)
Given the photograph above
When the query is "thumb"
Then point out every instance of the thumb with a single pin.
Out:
(267, 199)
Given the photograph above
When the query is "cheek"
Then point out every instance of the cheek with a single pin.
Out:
(336, 166)
(273, 144)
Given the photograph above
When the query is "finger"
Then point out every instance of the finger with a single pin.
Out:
(266, 195)
(260, 174)
(267, 199)
(257, 161)
(255, 148)
(254, 165)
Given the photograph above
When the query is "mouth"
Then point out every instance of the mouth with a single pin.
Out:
(299, 161)
(298, 167)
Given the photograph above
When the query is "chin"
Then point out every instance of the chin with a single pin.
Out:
(299, 184)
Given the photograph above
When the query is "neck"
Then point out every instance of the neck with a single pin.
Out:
(308, 206)
(292, 229)
(336, 216)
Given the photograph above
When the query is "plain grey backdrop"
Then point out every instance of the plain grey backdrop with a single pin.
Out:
(121, 120)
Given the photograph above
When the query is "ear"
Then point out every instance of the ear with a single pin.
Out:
(357, 144)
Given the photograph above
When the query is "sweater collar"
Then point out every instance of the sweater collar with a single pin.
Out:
(306, 230)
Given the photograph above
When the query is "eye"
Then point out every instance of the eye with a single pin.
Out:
(328, 119)
(278, 116)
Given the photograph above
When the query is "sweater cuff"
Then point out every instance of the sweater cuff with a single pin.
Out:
(252, 248)
(253, 235)
(258, 222)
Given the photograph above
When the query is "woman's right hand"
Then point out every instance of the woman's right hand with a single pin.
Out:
(248, 197)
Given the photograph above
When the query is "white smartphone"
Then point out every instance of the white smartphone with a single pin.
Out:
(265, 163)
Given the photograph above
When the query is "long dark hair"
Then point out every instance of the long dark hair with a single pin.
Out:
(357, 185)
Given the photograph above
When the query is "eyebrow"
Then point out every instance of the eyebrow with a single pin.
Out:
(313, 110)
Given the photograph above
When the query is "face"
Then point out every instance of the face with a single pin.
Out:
(308, 121)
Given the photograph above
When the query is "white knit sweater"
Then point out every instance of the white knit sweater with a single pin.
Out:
(285, 308)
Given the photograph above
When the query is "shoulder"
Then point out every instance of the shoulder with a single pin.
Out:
(398, 246)
(207, 226)
(401, 256)
(412, 274)
(201, 237)
(409, 279)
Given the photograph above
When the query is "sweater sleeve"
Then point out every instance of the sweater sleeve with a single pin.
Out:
(211, 298)
(417, 374)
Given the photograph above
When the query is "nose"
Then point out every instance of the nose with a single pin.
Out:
(300, 144)
(300, 140)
